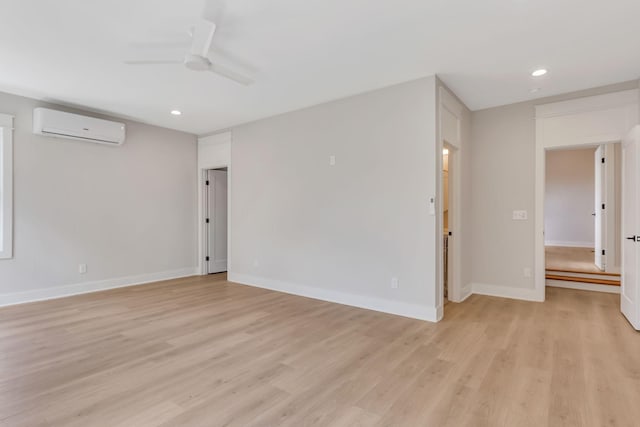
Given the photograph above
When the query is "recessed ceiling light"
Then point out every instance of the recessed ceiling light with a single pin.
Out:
(539, 73)
(445, 151)
(176, 112)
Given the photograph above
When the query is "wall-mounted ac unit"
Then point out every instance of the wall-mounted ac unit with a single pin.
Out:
(74, 126)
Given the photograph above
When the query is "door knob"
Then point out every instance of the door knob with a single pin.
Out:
(633, 238)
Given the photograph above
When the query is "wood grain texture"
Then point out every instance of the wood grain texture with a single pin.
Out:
(599, 273)
(205, 352)
(583, 279)
(575, 260)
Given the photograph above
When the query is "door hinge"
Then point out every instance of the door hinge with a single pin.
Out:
(603, 252)
(207, 182)
(603, 160)
(207, 220)
(603, 206)
(206, 259)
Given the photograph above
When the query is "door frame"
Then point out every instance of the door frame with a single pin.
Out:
(451, 134)
(581, 122)
(214, 152)
(453, 261)
(202, 216)
(207, 215)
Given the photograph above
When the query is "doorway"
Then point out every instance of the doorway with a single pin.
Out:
(453, 134)
(582, 217)
(581, 122)
(216, 219)
(447, 221)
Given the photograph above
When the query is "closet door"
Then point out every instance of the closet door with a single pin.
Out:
(217, 221)
(600, 213)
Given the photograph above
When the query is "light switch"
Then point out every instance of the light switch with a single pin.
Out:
(520, 215)
(432, 205)
(332, 160)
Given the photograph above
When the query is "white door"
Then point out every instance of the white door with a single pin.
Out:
(600, 213)
(630, 303)
(216, 221)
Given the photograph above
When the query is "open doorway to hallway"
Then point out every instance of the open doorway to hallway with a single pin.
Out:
(448, 220)
(582, 217)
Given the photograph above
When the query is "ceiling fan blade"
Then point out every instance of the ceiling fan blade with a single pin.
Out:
(230, 74)
(218, 54)
(202, 37)
(181, 44)
(154, 62)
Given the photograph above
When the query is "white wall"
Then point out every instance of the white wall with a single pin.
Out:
(570, 198)
(128, 212)
(341, 232)
(214, 151)
(503, 176)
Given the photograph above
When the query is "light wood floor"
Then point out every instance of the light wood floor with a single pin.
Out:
(205, 352)
(561, 258)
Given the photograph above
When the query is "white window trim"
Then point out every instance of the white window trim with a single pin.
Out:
(6, 186)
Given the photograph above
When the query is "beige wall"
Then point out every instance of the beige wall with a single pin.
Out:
(570, 198)
(502, 171)
(341, 232)
(502, 174)
(127, 212)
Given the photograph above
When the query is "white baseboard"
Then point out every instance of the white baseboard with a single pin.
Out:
(415, 311)
(467, 291)
(570, 244)
(526, 294)
(95, 286)
(583, 286)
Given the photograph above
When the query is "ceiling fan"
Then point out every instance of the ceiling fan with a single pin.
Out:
(197, 59)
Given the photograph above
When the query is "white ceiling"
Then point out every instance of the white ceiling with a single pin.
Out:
(304, 52)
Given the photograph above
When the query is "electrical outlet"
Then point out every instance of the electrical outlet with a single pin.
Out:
(82, 268)
(394, 283)
(332, 160)
(520, 215)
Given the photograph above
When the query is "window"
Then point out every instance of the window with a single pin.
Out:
(6, 186)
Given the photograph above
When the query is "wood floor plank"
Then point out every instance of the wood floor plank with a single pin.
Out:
(583, 280)
(202, 351)
(579, 260)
